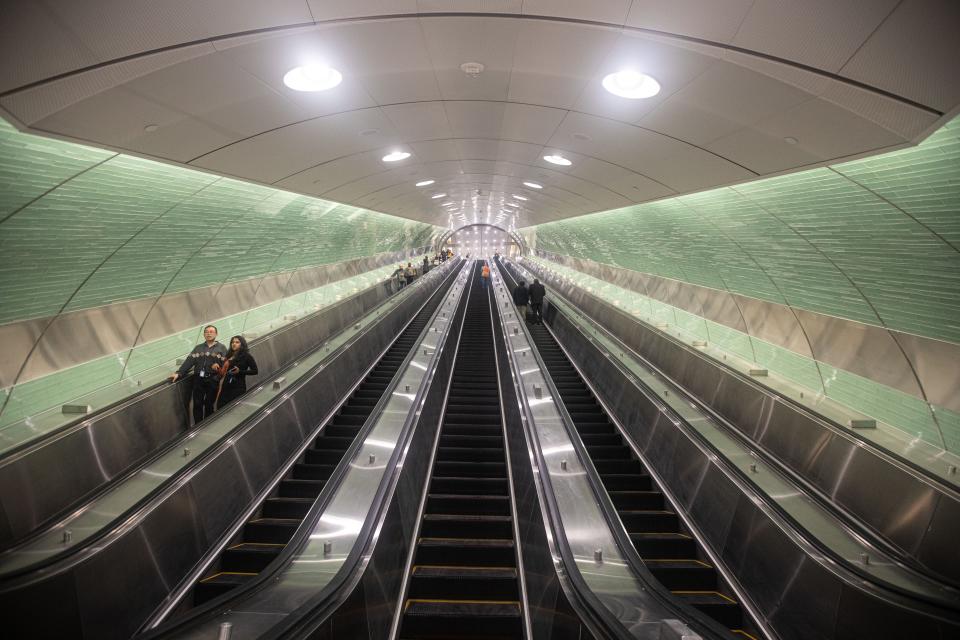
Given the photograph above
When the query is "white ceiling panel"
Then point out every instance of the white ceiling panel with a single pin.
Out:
(692, 169)
(914, 53)
(555, 61)
(320, 179)
(419, 121)
(484, 6)
(762, 152)
(435, 150)
(337, 9)
(819, 33)
(503, 150)
(277, 154)
(504, 120)
(612, 11)
(629, 184)
(717, 20)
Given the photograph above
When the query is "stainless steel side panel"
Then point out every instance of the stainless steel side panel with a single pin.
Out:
(137, 564)
(907, 509)
(797, 590)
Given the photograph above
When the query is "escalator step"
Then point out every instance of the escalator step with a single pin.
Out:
(352, 409)
(470, 469)
(602, 439)
(462, 619)
(470, 486)
(587, 428)
(322, 456)
(218, 584)
(692, 575)
(286, 507)
(348, 420)
(649, 520)
(664, 544)
(473, 418)
(481, 441)
(296, 488)
(438, 525)
(464, 503)
(471, 454)
(249, 558)
(721, 608)
(333, 442)
(341, 431)
(478, 583)
(305, 471)
(272, 530)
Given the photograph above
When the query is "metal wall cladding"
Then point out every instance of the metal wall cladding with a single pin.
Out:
(837, 464)
(154, 550)
(800, 596)
(36, 486)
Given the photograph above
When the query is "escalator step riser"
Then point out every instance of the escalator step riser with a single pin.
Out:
(685, 578)
(331, 442)
(499, 529)
(341, 431)
(269, 532)
(466, 454)
(469, 486)
(300, 489)
(728, 614)
(348, 420)
(459, 588)
(320, 456)
(601, 453)
(477, 441)
(595, 428)
(469, 504)
(249, 560)
(470, 469)
(461, 626)
(302, 471)
(203, 592)
(664, 547)
(602, 440)
(618, 466)
(273, 508)
(357, 407)
(468, 430)
(473, 418)
(466, 556)
(650, 521)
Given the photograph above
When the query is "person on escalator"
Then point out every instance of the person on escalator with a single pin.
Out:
(537, 292)
(205, 360)
(521, 298)
(484, 276)
(233, 374)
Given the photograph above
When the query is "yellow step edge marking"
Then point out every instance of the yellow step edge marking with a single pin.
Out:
(715, 593)
(659, 533)
(276, 520)
(432, 601)
(228, 573)
(453, 566)
(741, 632)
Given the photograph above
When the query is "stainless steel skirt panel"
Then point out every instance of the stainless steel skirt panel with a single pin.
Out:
(139, 562)
(801, 594)
(44, 479)
(913, 513)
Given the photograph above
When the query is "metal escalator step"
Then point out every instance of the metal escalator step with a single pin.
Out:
(218, 584)
(481, 441)
(249, 557)
(587, 428)
(470, 469)
(348, 420)
(465, 503)
(342, 431)
(471, 454)
(439, 525)
(286, 507)
(465, 551)
(721, 608)
(461, 619)
(602, 439)
(307, 471)
(663, 544)
(486, 583)
(473, 418)
(649, 520)
(618, 466)
(683, 574)
(322, 456)
(272, 530)
(333, 442)
(470, 486)
(298, 488)
(636, 497)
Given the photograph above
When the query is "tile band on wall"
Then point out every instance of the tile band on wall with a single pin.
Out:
(923, 367)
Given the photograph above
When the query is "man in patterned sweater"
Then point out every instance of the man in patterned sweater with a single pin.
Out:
(205, 360)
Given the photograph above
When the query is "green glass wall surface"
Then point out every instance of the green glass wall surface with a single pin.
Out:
(82, 227)
(875, 240)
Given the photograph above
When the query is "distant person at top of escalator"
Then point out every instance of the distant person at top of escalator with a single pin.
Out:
(521, 298)
(239, 364)
(537, 292)
(400, 276)
(205, 360)
(410, 273)
(426, 264)
(484, 276)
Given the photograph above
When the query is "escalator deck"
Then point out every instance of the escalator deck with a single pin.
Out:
(264, 536)
(669, 551)
(464, 582)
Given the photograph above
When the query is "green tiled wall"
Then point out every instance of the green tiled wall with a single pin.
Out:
(81, 227)
(874, 240)
(934, 425)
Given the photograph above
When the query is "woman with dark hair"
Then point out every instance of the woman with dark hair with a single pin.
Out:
(239, 364)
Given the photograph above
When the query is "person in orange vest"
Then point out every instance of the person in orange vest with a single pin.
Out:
(484, 276)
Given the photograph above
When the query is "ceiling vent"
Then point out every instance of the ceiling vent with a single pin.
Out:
(472, 69)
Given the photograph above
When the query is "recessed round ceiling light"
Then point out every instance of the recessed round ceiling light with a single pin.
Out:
(395, 156)
(520, 197)
(312, 77)
(631, 84)
(425, 183)
(533, 185)
(556, 158)
(438, 195)
(472, 69)
(150, 128)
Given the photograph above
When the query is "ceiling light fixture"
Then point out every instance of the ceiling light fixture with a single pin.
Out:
(438, 195)
(395, 156)
(631, 84)
(533, 185)
(425, 183)
(520, 197)
(312, 77)
(556, 158)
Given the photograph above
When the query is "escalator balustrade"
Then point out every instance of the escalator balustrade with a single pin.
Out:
(668, 550)
(463, 582)
(264, 536)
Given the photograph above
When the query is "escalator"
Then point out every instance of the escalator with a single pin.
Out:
(463, 582)
(669, 551)
(264, 536)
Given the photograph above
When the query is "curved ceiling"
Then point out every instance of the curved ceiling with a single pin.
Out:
(749, 88)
